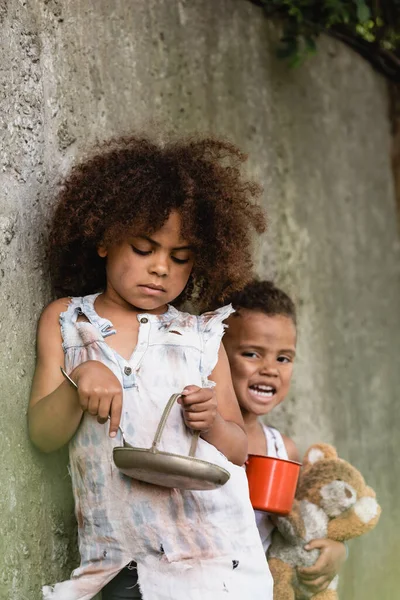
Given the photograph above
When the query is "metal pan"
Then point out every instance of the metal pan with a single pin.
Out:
(167, 469)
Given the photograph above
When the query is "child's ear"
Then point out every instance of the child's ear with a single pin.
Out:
(102, 251)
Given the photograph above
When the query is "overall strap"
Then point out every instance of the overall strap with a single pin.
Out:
(275, 444)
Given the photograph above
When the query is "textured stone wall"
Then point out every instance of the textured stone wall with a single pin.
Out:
(75, 72)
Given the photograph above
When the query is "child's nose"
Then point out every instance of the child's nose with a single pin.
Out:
(269, 368)
(159, 265)
(160, 268)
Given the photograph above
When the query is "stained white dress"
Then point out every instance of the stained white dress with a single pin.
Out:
(275, 448)
(188, 545)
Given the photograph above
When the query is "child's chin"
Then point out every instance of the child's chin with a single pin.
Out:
(264, 406)
(264, 410)
(149, 304)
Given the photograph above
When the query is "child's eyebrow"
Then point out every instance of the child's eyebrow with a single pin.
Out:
(252, 346)
(148, 239)
(288, 351)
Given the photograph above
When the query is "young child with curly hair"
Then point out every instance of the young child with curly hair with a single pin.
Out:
(261, 347)
(140, 228)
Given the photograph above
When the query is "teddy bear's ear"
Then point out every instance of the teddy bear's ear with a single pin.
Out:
(369, 492)
(319, 452)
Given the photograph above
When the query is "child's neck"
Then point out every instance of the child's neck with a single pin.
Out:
(251, 421)
(255, 434)
(109, 301)
(124, 317)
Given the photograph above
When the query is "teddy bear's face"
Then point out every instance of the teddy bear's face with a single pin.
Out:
(336, 497)
(332, 484)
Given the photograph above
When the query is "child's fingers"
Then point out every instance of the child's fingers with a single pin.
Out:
(103, 410)
(99, 404)
(311, 572)
(305, 576)
(201, 421)
(320, 566)
(199, 407)
(93, 404)
(90, 400)
(199, 425)
(317, 543)
(201, 396)
(199, 415)
(317, 585)
(190, 389)
(115, 413)
(84, 395)
(83, 400)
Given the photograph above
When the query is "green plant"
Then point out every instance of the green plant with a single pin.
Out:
(371, 27)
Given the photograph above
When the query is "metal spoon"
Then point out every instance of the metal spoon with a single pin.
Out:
(72, 382)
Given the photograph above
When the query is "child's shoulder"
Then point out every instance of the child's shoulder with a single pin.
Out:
(49, 323)
(214, 317)
(52, 311)
(204, 322)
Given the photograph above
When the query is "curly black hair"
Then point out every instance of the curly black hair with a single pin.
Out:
(131, 185)
(265, 297)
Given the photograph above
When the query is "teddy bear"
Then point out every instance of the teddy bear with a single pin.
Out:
(332, 501)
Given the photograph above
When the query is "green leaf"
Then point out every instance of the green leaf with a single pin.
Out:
(363, 12)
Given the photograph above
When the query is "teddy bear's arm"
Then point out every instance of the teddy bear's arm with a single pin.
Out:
(291, 526)
(359, 519)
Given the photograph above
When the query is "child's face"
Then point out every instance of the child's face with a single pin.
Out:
(261, 350)
(148, 272)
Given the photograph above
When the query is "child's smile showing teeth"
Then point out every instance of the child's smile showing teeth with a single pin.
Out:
(262, 391)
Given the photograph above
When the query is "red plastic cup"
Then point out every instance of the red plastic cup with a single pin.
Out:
(272, 483)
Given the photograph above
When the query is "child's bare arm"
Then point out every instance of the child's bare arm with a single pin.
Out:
(55, 407)
(54, 412)
(215, 411)
(291, 448)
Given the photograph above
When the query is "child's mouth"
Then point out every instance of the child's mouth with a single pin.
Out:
(262, 391)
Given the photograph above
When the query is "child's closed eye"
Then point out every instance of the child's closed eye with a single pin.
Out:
(140, 252)
(180, 261)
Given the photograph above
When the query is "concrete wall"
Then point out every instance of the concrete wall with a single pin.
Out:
(318, 137)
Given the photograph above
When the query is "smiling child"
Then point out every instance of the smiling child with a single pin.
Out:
(261, 347)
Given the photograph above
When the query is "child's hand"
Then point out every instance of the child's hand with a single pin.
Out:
(199, 407)
(99, 392)
(332, 556)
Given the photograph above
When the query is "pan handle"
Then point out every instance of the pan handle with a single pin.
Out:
(161, 425)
